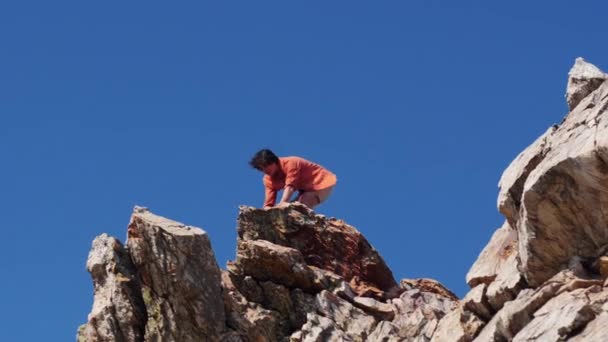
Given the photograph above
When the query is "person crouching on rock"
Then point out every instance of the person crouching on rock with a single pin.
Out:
(313, 182)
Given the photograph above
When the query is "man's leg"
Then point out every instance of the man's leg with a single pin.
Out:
(313, 198)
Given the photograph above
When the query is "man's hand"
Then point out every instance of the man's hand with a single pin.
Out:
(282, 205)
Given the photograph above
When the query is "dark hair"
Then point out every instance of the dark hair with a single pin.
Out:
(263, 158)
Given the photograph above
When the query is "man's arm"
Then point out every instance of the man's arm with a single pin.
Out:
(270, 197)
(287, 192)
(292, 174)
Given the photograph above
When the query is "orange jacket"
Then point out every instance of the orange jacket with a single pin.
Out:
(300, 174)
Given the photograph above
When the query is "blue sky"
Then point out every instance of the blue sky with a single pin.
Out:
(417, 106)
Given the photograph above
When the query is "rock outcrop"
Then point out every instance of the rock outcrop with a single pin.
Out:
(118, 312)
(299, 276)
(555, 193)
(583, 79)
(179, 278)
(542, 276)
(325, 244)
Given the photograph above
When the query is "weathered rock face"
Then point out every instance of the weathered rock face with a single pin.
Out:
(561, 204)
(554, 194)
(298, 276)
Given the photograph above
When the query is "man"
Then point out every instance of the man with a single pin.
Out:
(313, 182)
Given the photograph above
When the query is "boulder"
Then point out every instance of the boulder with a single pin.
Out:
(326, 243)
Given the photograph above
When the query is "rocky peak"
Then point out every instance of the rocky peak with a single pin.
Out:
(583, 79)
(297, 276)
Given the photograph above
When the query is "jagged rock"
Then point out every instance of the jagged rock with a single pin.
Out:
(416, 326)
(476, 302)
(577, 313)
(493, 257)
(319, 329)
(564, 196)
(118, 312)
(303, 303)
(583, 79)
(427, 285)
(507, 284)
(335, 320)
(512, 181)
(351, 320)
(385, 332)
(277, 298)
(555, 190)
(458, 326)
(265, 261)
(430, 302)
(517, 314)
(497, 267)
(559, 318)
(342, 289)
(180, 279)
(378, 309)
(328, 244)
(466, 321)
(250, 321)
(553, 194)
(418, 312)
(274, 252)
(250, 288)
(271, 292)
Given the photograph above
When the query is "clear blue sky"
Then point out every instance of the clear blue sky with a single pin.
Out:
(417, 106)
